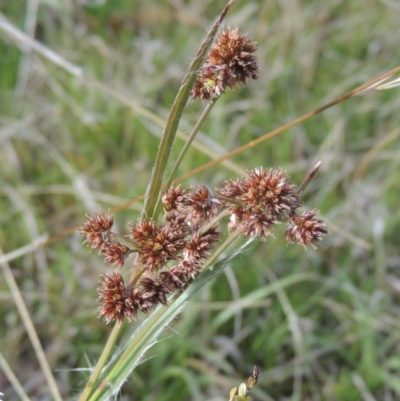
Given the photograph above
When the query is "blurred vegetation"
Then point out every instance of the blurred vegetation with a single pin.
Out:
(321, 324)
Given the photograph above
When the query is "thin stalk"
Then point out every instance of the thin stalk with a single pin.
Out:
(309, 177)
(189, 141)
(168, 137)
(220, 249)
(30, 329)
(101, 362)
(13, 379)
(290, 124)
(214, 221)
(185, 148)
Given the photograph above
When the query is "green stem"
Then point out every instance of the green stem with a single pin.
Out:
(167, 140)
(189, 141)
(185, 148)
(220, 249)
(101, 362)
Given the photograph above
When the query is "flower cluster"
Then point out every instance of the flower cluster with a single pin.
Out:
(264, 198)
(229, 62)
(170, 255)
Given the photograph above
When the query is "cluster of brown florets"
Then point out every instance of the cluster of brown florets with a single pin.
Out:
(265, 198)
(170, 255)
(229, 62)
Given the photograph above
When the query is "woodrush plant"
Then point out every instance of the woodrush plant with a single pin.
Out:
(206, 81)
(171, 257)
(176, 257)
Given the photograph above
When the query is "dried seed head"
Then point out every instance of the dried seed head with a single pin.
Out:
(174, 278)
(115, 253)
(199, 246)
(114, 298)
(95, 228)
(304, 229)
(158, 245)
(199, 205)
(139, 302)
(261, 188)
(257, 223)
(229, 62)
(211, 82)
(236, 52)
(155, 291)
(172, 197)
(190, 269)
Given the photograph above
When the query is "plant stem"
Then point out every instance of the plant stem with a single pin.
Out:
(189, 141)
(164, 151)
(288, 125)
(309, 177)
(185, 148)
(101, 362)
(220, 249)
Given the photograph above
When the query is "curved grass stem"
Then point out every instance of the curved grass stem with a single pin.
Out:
(189, 141)
(101, 362)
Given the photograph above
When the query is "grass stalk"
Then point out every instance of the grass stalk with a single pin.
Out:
(189, 141)
(102, 361)
(30, 329)
(288, 125)
(168, 137)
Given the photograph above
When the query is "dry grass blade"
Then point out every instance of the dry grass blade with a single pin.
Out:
(291, 124)
(27, 42)
(30, 329)
(13, 379)
(382, 84)
(17, 253)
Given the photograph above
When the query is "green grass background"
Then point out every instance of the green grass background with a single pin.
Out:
(329, 317)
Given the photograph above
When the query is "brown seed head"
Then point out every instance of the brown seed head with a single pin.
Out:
(139, 302)
(172, 197)
(190, 269)
(230, 62)
(174, 278)
(304, 229)
(257, 223)
(235, 51)
(95, 229)
(211, 82)
(199, 205)
(115, 253)
(199, 246)
(114, 297)
(155, 291)
(158, 245)
(261, 188)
